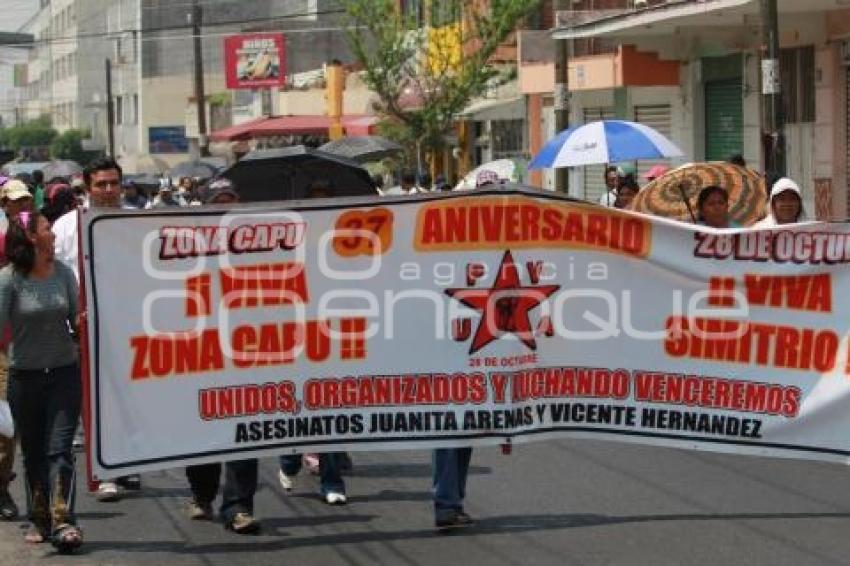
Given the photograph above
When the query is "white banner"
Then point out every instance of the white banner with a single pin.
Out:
(465, 318)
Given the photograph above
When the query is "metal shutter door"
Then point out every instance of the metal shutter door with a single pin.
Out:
(594, 175)
(657, 117)
(723, 119)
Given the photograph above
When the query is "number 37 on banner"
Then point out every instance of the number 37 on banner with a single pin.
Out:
(363, 232)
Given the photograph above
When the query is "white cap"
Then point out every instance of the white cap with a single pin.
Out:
(15, 190)
(782, 185)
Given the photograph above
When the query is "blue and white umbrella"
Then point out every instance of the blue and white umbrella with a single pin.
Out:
(606, 141)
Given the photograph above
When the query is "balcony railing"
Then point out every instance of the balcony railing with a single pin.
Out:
(586, 11)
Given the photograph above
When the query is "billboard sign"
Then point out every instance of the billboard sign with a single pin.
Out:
(256, 60)
(167, 139)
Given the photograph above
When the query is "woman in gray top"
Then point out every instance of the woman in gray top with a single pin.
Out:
(38, 299)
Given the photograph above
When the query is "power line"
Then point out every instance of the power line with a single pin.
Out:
(110, 34)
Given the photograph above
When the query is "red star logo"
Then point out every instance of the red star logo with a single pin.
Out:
(504, 307)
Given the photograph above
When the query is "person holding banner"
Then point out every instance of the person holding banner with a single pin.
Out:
(38, 297)
(627, 193)
(786, 205)
(450, 469)
(240, 477)
(15, 198)
(713, 208)
(329, 465)
(103, 182)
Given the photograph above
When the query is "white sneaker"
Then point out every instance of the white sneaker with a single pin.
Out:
(108, 491)
(286, 482)
(334, 498)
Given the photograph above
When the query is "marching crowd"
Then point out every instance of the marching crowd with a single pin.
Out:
(40, 315)
(39, 310)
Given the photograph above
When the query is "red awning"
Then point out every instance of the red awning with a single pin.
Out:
(293, 125)
(364, 126)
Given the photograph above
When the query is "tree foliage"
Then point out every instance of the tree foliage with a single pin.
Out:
(425, 75)
(36, 133)
(69, 145)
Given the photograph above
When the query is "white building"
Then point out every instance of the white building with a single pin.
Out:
(52, 84)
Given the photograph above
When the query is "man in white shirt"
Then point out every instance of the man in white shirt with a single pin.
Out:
(103, 185)
(103, 188)
(612, 183)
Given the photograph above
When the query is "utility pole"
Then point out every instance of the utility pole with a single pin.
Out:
(200, 97)
(335, 93)
(562, 95)
(110, 111)
(773, 121)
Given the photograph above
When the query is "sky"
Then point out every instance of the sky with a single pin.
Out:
(15, 13)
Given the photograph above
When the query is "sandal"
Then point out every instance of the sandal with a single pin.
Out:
(243, 524)
(36, 534)
(67, 538)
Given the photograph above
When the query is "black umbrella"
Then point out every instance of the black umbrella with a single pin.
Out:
(61, 168)
(363, 148)
(287, 173)
(199, 168)
(144, 180)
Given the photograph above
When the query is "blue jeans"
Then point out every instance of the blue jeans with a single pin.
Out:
(46, 407)
(451, 466)
(329, 470)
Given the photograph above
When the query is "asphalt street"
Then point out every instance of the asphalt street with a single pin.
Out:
(565, 503)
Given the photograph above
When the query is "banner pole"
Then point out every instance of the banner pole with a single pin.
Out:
(85, 366)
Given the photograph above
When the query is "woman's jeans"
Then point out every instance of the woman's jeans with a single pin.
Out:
(46, 407)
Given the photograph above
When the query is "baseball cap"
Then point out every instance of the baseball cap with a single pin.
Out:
(655, 172)
(15, 190)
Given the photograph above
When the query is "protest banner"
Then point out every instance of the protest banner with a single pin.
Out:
(456, 319)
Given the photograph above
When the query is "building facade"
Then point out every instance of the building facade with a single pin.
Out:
(150, 50)
(714, 108)
(51, 77)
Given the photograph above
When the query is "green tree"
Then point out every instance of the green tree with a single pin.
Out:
(426, 68)
(69, 145)
(33, 136)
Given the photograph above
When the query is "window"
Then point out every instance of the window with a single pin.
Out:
(797, 75)
(119, 111)
(507, 138)
(125, 49)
